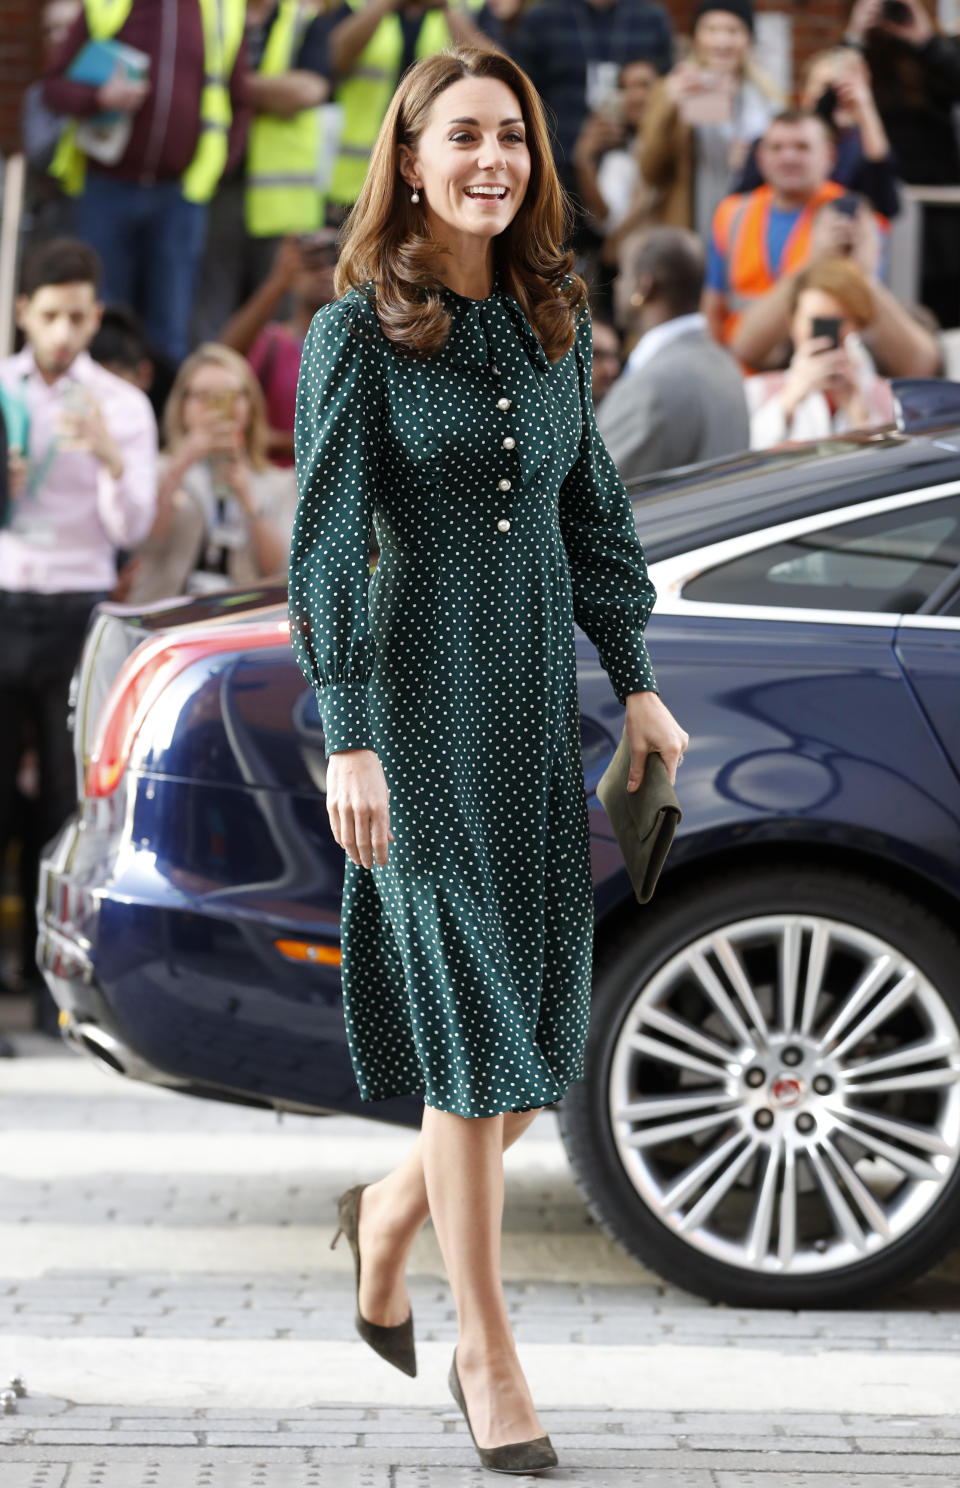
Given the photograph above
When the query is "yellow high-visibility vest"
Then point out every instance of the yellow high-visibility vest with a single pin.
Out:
(366, 91)
(223, 27)
(283, 154)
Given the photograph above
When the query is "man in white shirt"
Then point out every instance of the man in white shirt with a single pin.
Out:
(680, 397)
(81, 484)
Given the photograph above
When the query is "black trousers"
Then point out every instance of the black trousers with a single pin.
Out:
(41, 637)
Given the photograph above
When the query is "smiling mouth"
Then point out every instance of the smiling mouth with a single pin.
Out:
(485, 193)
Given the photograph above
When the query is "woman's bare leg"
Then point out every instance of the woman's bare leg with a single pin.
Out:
(463, 1168)
(392, 1212)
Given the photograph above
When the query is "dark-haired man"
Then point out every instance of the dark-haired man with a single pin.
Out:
(82, 485)
(680, 398)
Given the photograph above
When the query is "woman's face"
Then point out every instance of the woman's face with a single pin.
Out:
(213, 395)
(817, 302)
(721, 41)
(636, 85)
(475, 136)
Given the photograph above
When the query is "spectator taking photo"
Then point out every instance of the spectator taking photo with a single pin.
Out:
(81, 485)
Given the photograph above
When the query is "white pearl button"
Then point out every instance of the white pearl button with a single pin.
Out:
(504, 484)
(503, 404)
(509, 443)
(504, 524)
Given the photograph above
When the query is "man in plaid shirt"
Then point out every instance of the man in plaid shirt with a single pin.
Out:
(573, 51)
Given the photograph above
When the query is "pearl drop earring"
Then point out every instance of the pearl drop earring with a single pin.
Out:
(416, 195)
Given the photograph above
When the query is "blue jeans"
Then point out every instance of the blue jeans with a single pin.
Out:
(150, 241)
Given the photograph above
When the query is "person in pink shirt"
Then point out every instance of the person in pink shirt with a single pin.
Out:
(303, 272)
(81, 484)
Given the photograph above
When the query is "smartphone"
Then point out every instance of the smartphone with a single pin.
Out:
(712, 103)
(896, 12)
(848, 205)
(826, 105)
(614, 107)
(319, 248)
(827, 325)
(224, 404)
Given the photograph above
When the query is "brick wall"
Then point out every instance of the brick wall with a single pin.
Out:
(19, 64)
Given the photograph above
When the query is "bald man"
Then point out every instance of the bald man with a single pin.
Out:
(680, 397)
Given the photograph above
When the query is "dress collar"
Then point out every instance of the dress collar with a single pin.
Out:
(476, 320)
(474, 323)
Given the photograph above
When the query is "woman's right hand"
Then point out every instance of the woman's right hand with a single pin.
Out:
(864, 16)
(216, 436)
(598, 134)
(358, 805)
(685, 79)
(815, 363)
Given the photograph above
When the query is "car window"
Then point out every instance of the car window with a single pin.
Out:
(891, 563)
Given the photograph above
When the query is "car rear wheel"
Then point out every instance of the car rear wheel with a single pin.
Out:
(770, 1114)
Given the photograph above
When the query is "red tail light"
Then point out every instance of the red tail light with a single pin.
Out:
(142, 678)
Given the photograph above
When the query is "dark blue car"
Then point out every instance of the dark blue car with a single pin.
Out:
(771, 1111)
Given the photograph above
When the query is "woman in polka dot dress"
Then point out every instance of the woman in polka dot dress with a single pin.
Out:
(445, 403)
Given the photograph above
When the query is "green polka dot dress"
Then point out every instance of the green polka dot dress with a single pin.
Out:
(501, 520)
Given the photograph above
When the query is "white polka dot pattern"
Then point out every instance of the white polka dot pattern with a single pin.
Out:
(501, 519)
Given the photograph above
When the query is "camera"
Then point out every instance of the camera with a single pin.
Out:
(896, 12)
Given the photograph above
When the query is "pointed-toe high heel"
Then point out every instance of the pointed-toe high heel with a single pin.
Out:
(512, 1457)
(395, 1344)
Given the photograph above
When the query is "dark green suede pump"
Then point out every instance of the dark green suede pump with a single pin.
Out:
(512, 1457)
(395, 1344)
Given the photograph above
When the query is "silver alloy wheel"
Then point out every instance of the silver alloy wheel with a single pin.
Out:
(785, 1094)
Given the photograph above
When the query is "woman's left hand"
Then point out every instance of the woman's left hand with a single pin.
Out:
(652, 729)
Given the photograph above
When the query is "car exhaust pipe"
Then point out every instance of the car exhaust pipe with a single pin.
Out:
(108, 1050)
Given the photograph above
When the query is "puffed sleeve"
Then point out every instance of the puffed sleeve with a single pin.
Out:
(336, 438)
(612, 592)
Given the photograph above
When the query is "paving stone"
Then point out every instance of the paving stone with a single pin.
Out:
(303, 1438)
(35, 1475)
(921, 1442)
(85, 1438)
(599, 1477)
(817, 1479)
(211, 1475)
(773, 1443)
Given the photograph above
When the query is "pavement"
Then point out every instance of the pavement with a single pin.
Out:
(168, 1294)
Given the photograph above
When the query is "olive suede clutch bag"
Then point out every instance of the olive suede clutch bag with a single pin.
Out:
(643, 820)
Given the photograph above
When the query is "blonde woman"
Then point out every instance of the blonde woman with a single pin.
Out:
(703, 117)
(445, 399)
(224, 515)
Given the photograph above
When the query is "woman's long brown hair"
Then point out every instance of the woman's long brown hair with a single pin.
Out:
(386, 239)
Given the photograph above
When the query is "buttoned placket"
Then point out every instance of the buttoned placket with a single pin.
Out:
(504, 404)
(508, 443)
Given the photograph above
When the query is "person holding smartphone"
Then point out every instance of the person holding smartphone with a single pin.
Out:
(831, 384)
(703, 117)
(302, 272)
(224, 516)
(605, 154)
(916, 83)
(81, 484)
(836, 86)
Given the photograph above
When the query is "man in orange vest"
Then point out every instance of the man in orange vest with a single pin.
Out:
(759, 236)
(762, 239)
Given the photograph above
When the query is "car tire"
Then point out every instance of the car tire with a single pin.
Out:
(617, 1180)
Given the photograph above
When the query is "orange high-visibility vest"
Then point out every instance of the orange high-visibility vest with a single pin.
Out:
(740, 228)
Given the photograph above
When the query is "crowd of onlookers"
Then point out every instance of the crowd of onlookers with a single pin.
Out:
(191, 162)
